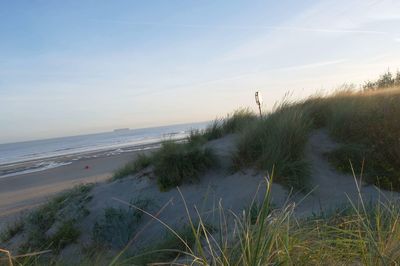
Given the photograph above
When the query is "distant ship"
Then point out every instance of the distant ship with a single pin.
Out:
(119, 130)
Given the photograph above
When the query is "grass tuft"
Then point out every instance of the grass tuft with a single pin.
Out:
(12, 230)
(357, 234)
(276, 143)
(167, 250)
(66, 234)
(368, 127)
(175, 163)
(141, 162)
(118, 225)
(60, 214)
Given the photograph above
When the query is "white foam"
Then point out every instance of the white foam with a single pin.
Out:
(39, 167)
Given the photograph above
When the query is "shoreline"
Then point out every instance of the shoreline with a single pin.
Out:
(47, 163)
(22, 192)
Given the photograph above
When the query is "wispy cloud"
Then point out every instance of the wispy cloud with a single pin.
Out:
(239, 27)
(313, 65)
(320, 26)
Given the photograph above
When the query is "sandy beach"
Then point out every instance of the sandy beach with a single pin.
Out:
(23, 192)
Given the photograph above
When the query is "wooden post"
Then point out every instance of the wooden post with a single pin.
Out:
(259, 101)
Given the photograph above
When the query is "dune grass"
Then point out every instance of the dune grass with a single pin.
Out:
(359, 234)
(167, 249)
(66, 234)
(48, 229)
(367, 125)
(174, 163)
(12, 229)
(53, 225)
(141, 162)
(118, 225)
(233, 123)
(276, 142)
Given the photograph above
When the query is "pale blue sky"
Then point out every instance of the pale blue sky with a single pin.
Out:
(74, 67)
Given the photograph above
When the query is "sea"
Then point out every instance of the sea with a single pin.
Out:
(39, 155)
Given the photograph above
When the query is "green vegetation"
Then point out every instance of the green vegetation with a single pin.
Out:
(365, 123)
(233, 123)
(368, 127)
(357, 234)
(174, 163)
(53, 225)
(11, 230)
(169, 248)
(118, 225)
(276, 143)
(354, 234)
(141, 162)
(67, 233)
(387, 80)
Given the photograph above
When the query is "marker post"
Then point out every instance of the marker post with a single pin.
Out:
(259, 101)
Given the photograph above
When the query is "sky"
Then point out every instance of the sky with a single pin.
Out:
(79, 67)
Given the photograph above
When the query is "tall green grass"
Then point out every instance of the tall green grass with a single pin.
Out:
(276, 142)
(174, 163)
(62, 212)
(141, 162)
(359, 234)
(118, 225)
(367, 124)
(168, 249)
(232, 123)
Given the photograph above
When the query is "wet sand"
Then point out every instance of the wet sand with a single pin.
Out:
(25, 191)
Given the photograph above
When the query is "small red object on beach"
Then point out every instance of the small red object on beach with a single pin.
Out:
(87, 167)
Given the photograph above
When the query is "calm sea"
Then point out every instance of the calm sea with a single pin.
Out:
(41, 151)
